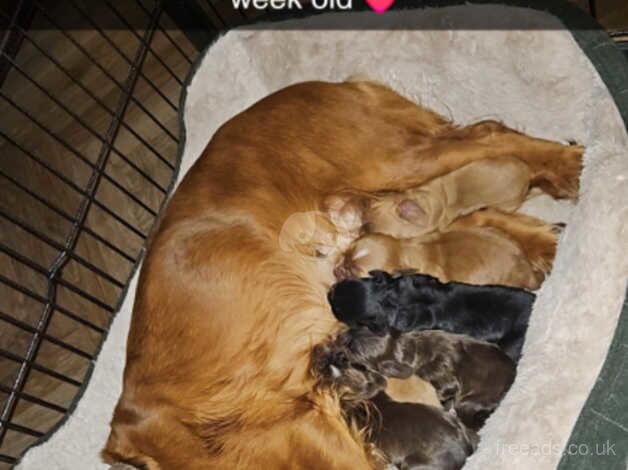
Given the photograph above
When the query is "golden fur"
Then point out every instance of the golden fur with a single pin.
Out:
(476, 255)
(501, 183)
(217, 373)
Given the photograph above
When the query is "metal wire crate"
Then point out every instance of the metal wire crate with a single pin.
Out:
(89, 138)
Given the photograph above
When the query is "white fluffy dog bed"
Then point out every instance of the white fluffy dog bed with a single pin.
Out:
(539, 82)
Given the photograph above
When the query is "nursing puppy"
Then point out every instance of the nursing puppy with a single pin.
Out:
(384, 303)
(354, 382)
(469, 376)
(409, 434)
(501, 183)
(417, 436)
(477, 255)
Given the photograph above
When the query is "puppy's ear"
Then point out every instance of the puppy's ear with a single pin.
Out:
(395, 369)
(410, 211)
(380, 276)
(424, 280)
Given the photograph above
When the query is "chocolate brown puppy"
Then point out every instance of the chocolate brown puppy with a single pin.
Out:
(418, 436)
(469, 376)
(411, 435)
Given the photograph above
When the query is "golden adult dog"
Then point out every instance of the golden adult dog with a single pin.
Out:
(217, 373)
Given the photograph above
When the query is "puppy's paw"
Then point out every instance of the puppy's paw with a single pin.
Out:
(540, 246)
(562, 179)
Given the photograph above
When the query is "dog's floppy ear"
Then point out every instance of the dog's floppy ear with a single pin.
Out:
(395, 369)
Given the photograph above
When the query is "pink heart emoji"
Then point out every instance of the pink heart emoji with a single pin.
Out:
(380, 6)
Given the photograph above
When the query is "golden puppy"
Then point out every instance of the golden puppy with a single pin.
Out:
(475, 255)
(501, 183)
(224, 321)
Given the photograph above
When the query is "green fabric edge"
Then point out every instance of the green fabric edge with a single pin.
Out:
(599, 439)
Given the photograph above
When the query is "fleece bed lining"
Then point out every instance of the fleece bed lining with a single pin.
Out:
(537, 81)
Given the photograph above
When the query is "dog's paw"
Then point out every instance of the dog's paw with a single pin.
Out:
(572, 170)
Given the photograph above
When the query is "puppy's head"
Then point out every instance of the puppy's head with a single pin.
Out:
(309, 233)
(368, 302)
(369, 252)
(377, 352)
(335, 366)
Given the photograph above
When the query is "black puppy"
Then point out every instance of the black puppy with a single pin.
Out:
(385, 303)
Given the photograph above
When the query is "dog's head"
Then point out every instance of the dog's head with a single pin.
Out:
(384, 354)
(368, 302)
(334, 365)
(369, 252)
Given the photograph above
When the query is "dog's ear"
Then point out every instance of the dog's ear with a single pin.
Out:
(395, 369)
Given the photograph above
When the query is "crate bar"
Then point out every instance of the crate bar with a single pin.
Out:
(119, 51)
(175, 45)
(64, 214)
(42, 300)
(33, 399)
(190, 17)
(69, 218)
(87, 127)
(172, 41)
(77, 188)
(26, 327)
(44, 370)
(57, 246)
(215, 12)
(166, 34)
(63, 143)
(22, 15)
(90, 232)
(132, 30)
(22, 429)
(76, 44)
(92, 95)
(7, 459)
(27, 364)
(71, 183)
(43, 271)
